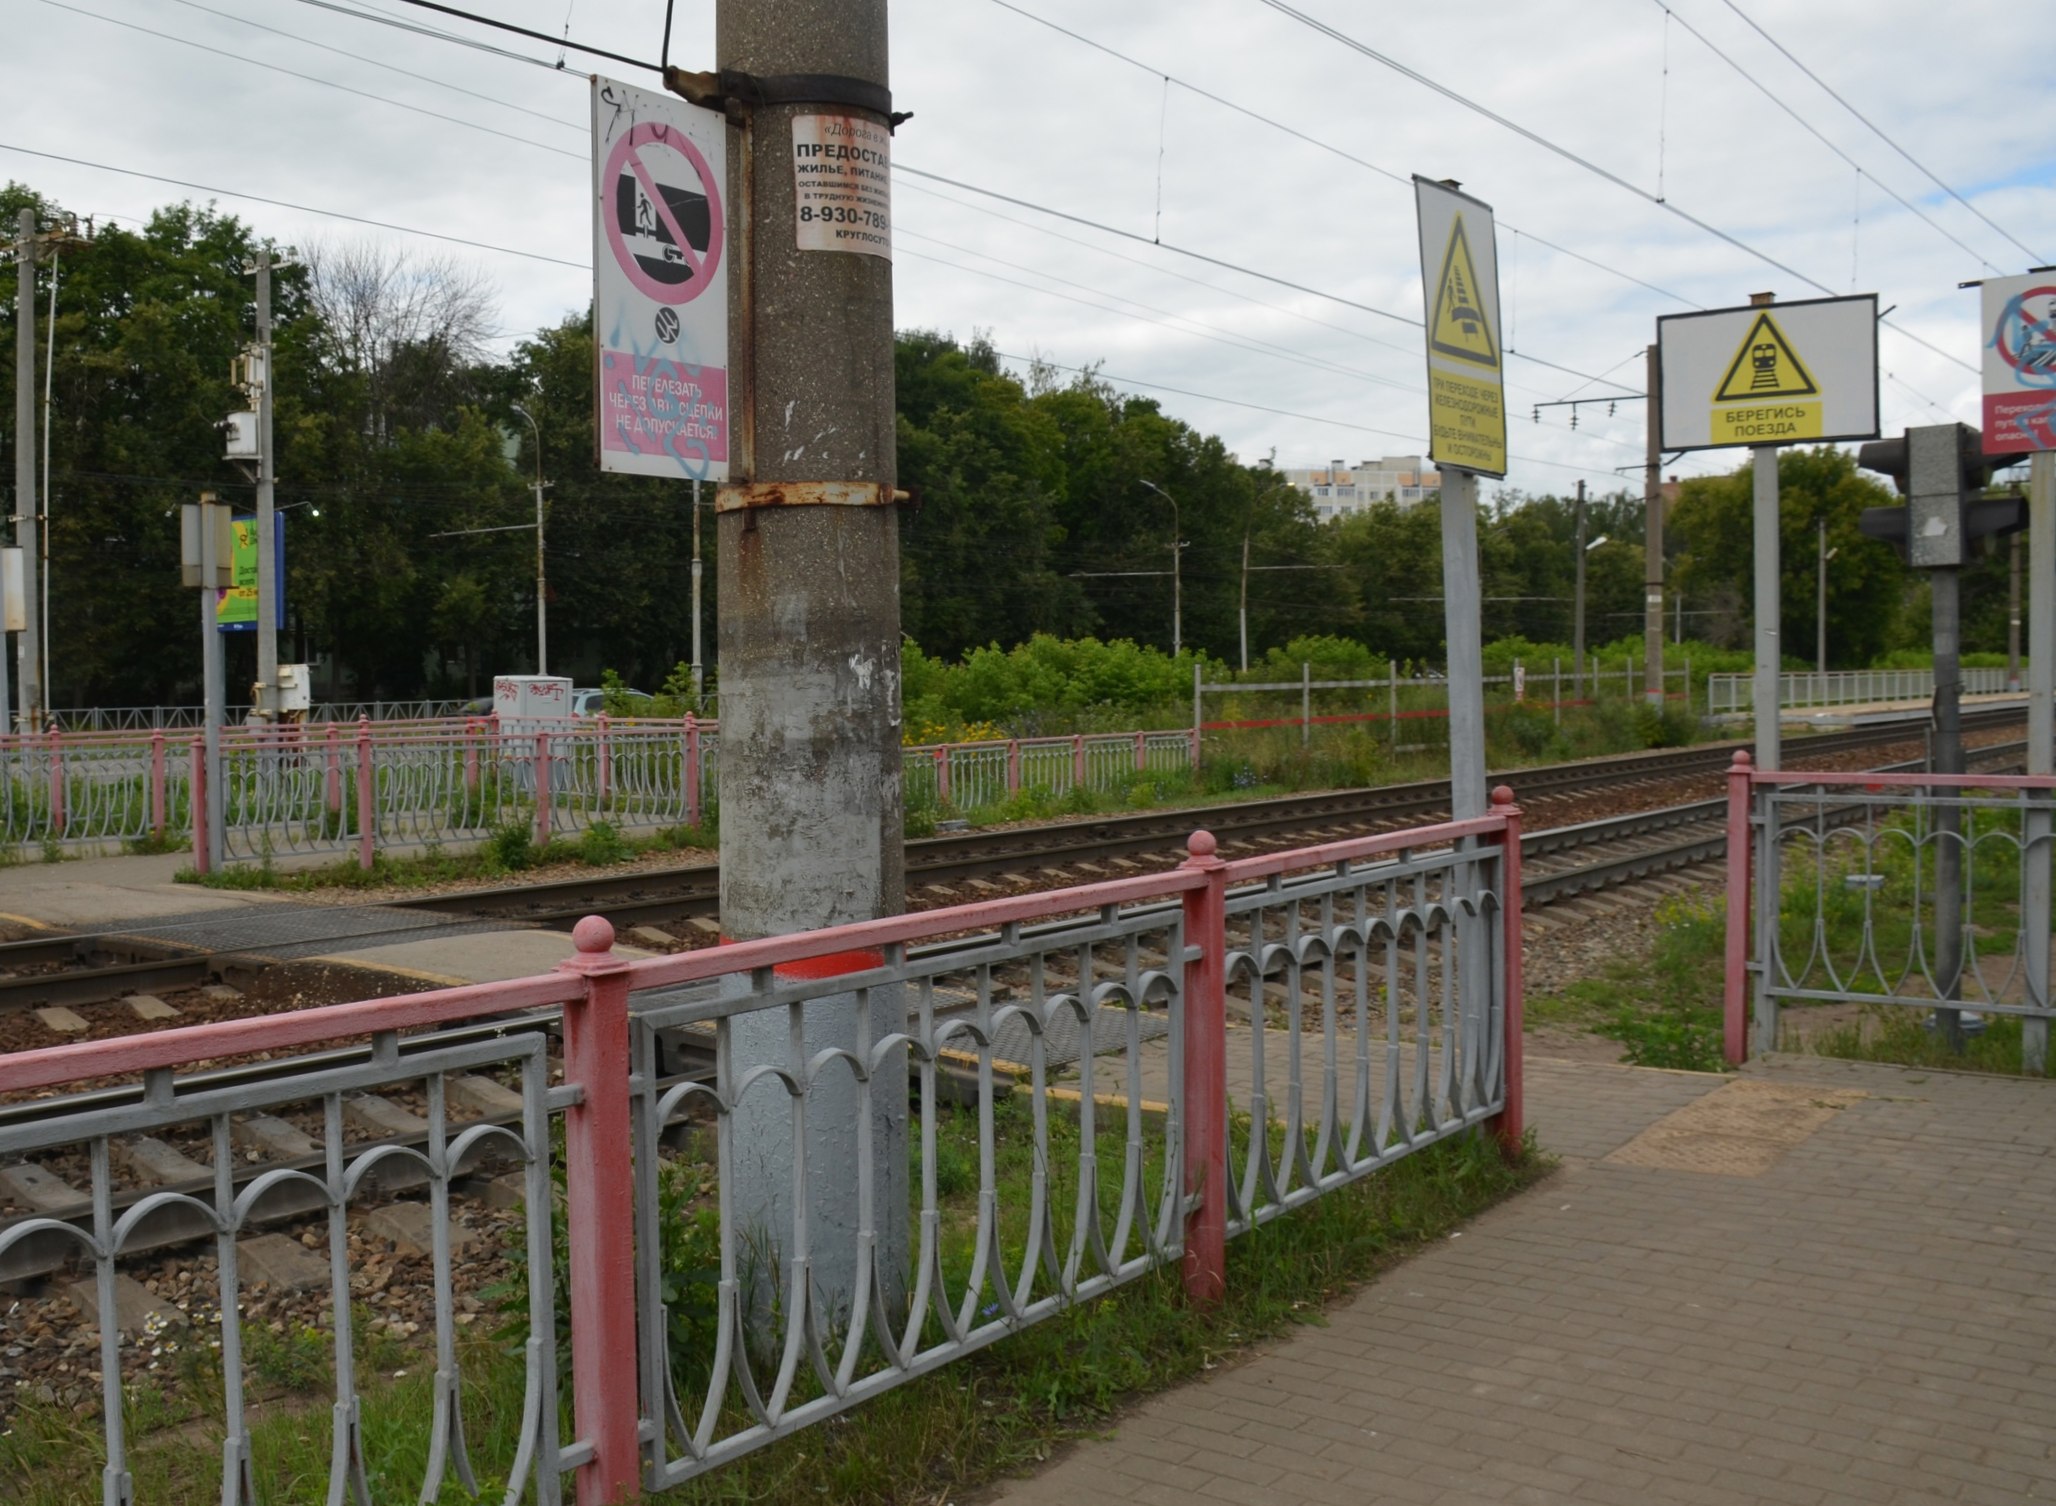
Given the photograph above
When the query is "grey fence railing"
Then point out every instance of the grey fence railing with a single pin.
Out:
(751, 1229)
(1928, 892)
(1728, 694)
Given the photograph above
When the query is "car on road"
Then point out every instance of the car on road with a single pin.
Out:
(591, 702)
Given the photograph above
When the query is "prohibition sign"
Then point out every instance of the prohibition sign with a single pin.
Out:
(2032, 350)
(627, 157)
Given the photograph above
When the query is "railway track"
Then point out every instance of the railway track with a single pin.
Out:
(1560, 863)
(81, 971)
(657, 895)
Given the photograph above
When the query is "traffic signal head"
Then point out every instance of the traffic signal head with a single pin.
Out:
(1937, 469)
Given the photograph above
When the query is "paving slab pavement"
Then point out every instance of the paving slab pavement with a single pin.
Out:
(81, 893)
(1869, 1317)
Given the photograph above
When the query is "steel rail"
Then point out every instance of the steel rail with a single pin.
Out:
(673, 893)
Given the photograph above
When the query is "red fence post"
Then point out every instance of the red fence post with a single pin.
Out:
(542, 789)
(1741, 867)
(196, 809)
(1013, 766)
(606, 760)
(1206, 1074)
(157, 801)
(471, 756)
(55, 741)
(1509, 1125)
(692, 770)
(942, 774)
(1142, 752)
(1077, 760)
(367, 794)
(599, 1192)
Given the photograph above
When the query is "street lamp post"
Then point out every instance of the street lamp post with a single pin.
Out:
(1820, 637)
(542, 598)
(1177, 583)
(1578, 610)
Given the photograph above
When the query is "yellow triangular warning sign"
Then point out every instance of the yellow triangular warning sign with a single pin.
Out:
(1459, 327)
(1766, 366)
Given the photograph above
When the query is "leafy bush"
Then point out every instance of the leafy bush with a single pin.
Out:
(511, 847)
(1677, 1021)
(601, 845)
(1666, 726)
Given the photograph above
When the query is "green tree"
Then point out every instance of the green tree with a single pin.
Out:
(1868, 586)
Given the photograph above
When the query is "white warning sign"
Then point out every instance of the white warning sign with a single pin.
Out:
(842, 184)
(1769, 374)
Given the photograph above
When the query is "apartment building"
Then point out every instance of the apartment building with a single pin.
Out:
(1338, 489)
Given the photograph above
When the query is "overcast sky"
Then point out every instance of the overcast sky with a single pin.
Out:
(1005, 103)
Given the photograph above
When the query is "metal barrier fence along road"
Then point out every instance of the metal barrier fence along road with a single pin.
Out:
(1919, 891)
(1106, 1080)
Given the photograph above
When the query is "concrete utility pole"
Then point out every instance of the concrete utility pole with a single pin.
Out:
(1578, 606)
(2013, 613)
(542, 589)
(699, 675)
(29, 647)
(1652, 538)
(807, 542)
(265, 701)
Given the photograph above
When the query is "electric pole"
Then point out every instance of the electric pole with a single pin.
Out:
(542, 588)
(264, 700)
(1652, 538)
(1578, 605)
(2013, 614)
(29, 647)
(699, 680)
(808, 631)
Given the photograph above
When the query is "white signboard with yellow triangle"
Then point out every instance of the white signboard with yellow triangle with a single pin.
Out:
(1466, 358)
(1770, 374)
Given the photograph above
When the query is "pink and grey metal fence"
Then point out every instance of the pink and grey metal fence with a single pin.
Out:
(1104, 1080)
(357, 788)
(1897, 891)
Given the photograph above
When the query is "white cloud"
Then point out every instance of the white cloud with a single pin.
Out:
(1010, 105)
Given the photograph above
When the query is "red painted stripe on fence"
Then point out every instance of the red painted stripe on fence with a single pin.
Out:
(831, 964)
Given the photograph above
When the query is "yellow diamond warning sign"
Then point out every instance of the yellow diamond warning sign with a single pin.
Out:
(1765, 366)
(1460, 327)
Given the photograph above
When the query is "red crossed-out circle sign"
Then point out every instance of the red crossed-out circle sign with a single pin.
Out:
(631, 157)
(2023, 340)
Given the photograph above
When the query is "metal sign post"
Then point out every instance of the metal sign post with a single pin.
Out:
(207, 562)
(1764, 375)
(2018, 323)
(1467, 439)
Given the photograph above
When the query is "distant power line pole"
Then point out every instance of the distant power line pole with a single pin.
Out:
(1652, 539)
(1578, 602)
(265, 700)
(29, 647)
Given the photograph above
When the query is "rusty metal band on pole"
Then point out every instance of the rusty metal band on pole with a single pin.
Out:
(744, 496)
